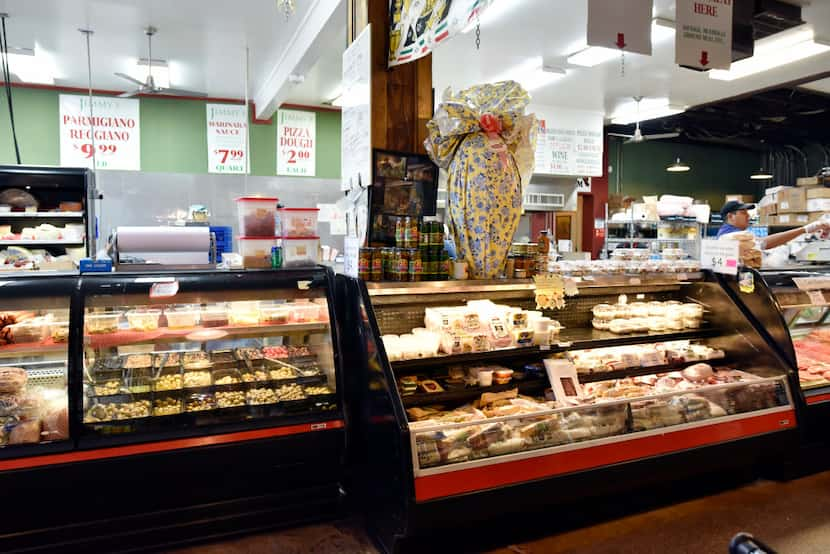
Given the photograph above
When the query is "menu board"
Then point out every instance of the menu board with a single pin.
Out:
(356, 115)
(569, 142)
(110, 129)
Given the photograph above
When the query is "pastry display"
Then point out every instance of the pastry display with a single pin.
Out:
(110, 411)
(249, 353)
(255, 375)
(315, 390)
(137, 360)
(108, 388)
(199, 403)
(166, 405)
(193, 379)
(229, 399)
(172, 381)
(638, 317)
(642, 355)
(289, 392)
(281, 373)
(227, 379)
(261, 396)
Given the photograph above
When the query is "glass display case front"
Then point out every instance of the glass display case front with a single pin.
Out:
(162, 356)
(34, 353)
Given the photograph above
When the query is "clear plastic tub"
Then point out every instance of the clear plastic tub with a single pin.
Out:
(299, 222)
(299, 251)
(275, 315)
(256, 251)
(215, 316)
(59, 331)
(182, 318)
(102, 323)
(143, 320)
(305, 313)
(257, 216)
(244, 313)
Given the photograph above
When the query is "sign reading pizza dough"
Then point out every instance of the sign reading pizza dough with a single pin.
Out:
(704, 34)
(227, 138)
(110, 130)
(296, 142)
(621, 25)
(569, 142)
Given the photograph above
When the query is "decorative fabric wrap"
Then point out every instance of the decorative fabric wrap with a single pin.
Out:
(486, 144)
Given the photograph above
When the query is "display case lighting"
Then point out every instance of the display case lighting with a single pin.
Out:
(775, 51)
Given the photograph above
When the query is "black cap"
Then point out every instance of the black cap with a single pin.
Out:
(734, 206)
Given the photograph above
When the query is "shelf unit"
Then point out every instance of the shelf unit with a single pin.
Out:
(690, 245)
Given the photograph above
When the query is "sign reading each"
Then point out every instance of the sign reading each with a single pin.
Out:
(296, 143)
(114, 126)
(227, 132)
(721, 256)
(704, 34)
(620, 25)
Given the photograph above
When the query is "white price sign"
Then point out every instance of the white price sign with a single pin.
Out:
(296, 143)
(351, 251)
(227, 131)
(111, 130)
(704, 34)
(721, 256)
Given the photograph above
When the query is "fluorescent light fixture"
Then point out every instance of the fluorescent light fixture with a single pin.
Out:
(678, 167)
(159, 68)
(777, 50)
(32, 65)
(492, 13)
(661, 29)
(650, 108)
(761, 174)
(532, 74)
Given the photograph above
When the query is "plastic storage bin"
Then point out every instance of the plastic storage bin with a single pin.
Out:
(101, 323)
(300, 251)
(275, 315)
(29, 331)
(244, 313)
(299, 222)
(305, 312)
(256, 251)
(182, 318)
(59, 331)
(256, 216)
(215, 315)
(143, 320)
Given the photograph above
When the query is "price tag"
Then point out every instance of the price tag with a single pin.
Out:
(351, 251)
(816, 298)
(812, 283)
(721, 256)
(635, 281)
(164, 290)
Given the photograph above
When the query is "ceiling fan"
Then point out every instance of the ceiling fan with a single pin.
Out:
(638, 135)
(149, 86)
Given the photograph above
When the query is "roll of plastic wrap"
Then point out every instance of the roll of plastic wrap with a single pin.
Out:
(163, 239)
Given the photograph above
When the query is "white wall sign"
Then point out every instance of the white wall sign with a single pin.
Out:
(704, 34)
(296, 143)
(356, 114)
(227, 132)
(116, 127)
(351, 251)
(623, 25)
(570, 142)
(721, 256)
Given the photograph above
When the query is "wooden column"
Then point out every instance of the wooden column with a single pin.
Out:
(401, 95)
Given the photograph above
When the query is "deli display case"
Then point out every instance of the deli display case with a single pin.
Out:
(198, 404)
(475, 400)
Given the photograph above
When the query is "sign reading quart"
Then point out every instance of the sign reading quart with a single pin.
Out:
(112, 131)
(296, 142)
(226, 138)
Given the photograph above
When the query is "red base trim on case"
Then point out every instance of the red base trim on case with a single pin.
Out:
(508, 473)
(815, 399)
(164, 446)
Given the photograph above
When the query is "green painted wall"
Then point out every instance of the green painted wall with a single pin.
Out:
(173, 135)
(716, 171)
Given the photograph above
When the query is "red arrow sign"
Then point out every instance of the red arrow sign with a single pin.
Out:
(704, 58)
(620, 40)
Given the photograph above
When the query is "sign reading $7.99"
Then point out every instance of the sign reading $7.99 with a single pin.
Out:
(227, 131)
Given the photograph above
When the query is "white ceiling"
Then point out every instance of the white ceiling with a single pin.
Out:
(203, 40)
(557, 29)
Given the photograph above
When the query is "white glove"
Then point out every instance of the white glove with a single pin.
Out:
(816, 226)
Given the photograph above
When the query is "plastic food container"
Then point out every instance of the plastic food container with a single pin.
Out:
(143, 320)
(299, 222)
(275, 315)
(257, 216)
(101, 323)
(244, 313)
(305, 313)
(299, 251)
(182, 318)
(215, 316)
(604, 311)
(59, 331)
(256, 251)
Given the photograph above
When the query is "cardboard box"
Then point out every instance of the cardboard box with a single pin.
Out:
(742, 198)
(792, 219)
(807, 181)
(818, 205)
(792, 200)
(818, 192)
(766, 220)
(769, 209)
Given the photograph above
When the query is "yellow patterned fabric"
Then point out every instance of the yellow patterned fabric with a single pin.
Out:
(486, 143)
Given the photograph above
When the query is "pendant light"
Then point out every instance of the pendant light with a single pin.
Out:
(761, 174)
(678, 167)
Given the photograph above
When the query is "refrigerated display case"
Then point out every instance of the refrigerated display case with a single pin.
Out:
(471, 428)
(199, 403)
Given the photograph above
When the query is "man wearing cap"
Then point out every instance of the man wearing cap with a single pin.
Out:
(736, 218)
